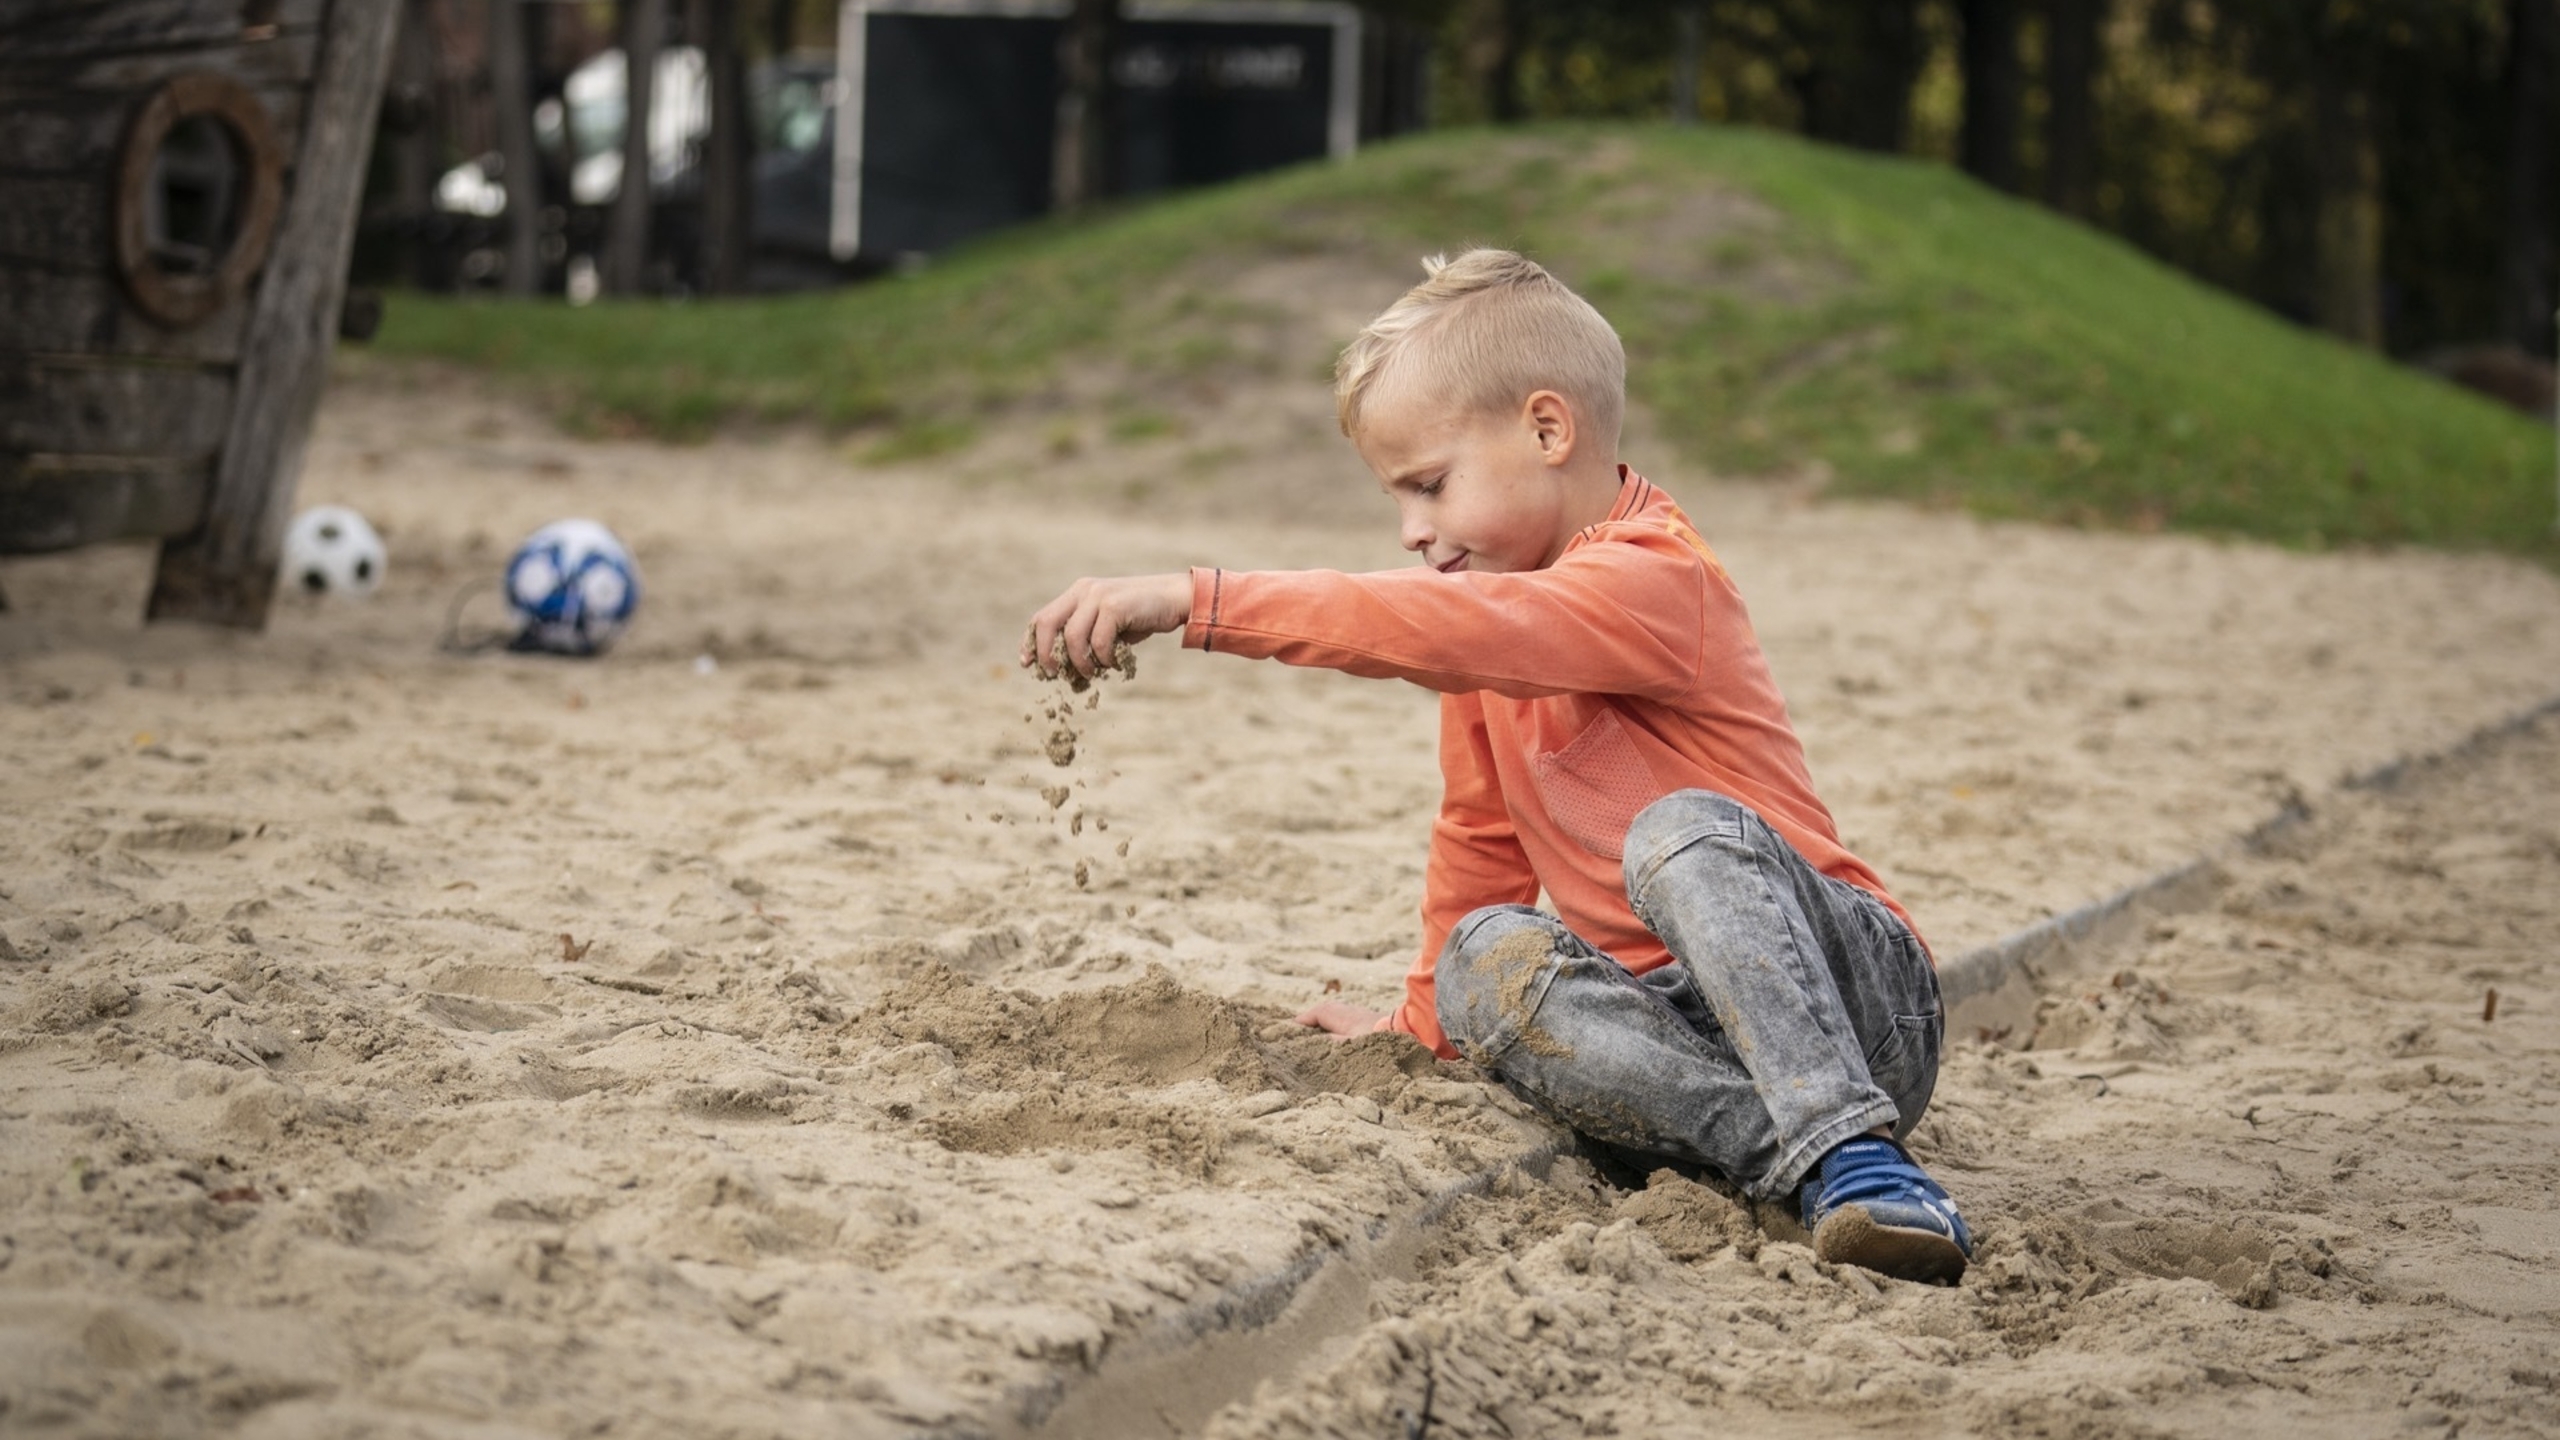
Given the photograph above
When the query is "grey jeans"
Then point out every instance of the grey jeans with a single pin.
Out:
(1798, 1010)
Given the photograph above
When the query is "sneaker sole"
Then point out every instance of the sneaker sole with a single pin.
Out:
(1851, 1236)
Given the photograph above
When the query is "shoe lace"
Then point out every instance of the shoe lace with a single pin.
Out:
(1871, 1169)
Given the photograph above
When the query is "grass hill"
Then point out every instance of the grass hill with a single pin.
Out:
(1785, 306)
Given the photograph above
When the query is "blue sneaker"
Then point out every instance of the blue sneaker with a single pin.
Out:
(1868, 1204)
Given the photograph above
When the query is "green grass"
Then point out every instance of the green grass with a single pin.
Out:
(1784, 305)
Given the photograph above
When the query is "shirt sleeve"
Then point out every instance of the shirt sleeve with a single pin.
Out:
(1475, 860)
(1625, 615)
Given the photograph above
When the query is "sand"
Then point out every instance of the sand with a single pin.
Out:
(730, 1037)
(2277, 1173)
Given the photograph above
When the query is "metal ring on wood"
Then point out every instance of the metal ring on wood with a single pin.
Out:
(168, 295)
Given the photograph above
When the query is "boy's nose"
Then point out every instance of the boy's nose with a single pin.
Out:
(1417, 533)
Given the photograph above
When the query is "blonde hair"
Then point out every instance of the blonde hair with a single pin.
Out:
(1483, 332)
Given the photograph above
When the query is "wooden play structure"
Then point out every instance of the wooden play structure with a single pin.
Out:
(178, 192)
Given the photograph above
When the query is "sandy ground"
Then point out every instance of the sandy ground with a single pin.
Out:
(2277, 1175)
(731, 1038)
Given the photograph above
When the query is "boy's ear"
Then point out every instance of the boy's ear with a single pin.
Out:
(1550, 419)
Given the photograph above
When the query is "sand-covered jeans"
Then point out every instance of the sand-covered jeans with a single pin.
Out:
(1797, 1012)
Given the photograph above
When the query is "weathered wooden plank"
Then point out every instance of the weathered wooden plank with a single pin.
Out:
(53, 312)
(48, 504)
(53, 220)
(131, 409)
(39, 14)
(52, 134)
(50, 30)
(81, 132)
(224, 571)
(285, 60)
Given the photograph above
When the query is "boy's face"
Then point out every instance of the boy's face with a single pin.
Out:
(1474, 491)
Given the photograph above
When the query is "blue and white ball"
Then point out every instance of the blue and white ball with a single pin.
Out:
(571, 588)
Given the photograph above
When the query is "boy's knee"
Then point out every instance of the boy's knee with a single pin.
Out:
(1482, 948)
(1676, 821)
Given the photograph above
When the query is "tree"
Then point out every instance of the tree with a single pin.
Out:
(2071, 62)
(1994, 84)
(511, 95)
(626, 248)
(2362, 122)
(2385, 86)
(2347, 227)
(409, 130)
(1491, 44)
(1688, 37)
(1852, 67)
(2524, 272)
(1088, 105)
(728, 194)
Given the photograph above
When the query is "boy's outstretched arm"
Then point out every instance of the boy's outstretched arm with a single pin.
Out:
(1092, 615)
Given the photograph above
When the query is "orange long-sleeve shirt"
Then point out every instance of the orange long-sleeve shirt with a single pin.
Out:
(1572, 697)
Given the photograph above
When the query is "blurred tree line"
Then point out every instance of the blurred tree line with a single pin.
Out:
(2380, 168)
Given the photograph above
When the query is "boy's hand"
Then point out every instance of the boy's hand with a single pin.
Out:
(1340, 1018)
(1093, 615)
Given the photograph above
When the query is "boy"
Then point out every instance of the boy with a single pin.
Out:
(1721, 982)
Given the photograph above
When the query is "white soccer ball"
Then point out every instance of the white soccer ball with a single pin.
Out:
(572, 588)
(332, 551)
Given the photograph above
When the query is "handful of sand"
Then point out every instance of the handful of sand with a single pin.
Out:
(1061, 744)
